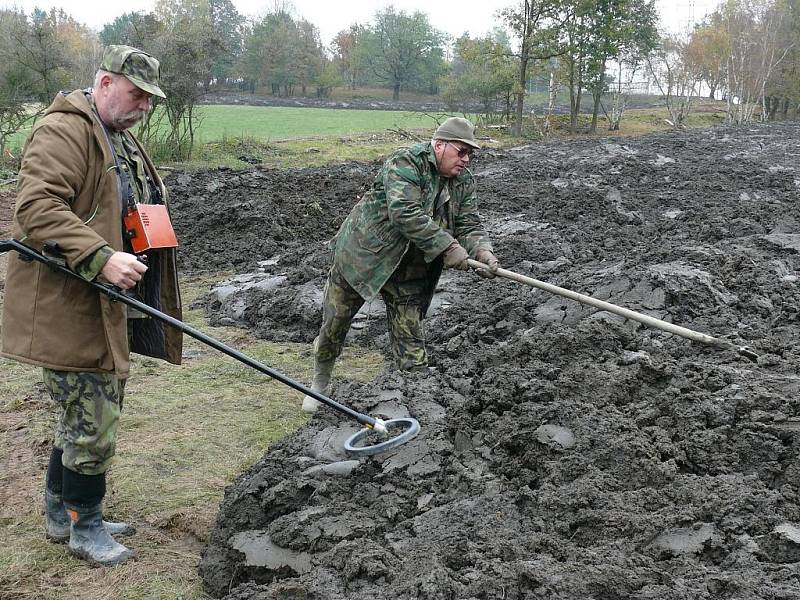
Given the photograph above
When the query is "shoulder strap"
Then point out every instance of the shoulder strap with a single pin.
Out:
(123, 179)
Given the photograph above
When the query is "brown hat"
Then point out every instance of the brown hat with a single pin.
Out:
(139, 67)
(456, 129)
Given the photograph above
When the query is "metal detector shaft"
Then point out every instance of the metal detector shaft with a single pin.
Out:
(624, 312)
(118, 296)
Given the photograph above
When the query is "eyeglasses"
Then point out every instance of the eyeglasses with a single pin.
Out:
(462, 152)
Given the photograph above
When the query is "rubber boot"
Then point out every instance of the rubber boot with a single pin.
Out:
(89, 539)
(56, 519)
(320, 383)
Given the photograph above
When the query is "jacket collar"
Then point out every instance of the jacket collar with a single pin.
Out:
(432, 157)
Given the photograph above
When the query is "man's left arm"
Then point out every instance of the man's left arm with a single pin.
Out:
(469, 229)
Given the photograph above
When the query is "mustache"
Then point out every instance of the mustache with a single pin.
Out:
(134, 115)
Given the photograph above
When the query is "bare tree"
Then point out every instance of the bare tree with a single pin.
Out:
(678, 83)
(620, 93)
(40, 55)
(756, 49)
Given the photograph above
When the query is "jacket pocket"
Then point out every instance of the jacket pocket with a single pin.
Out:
(371, 243)
(80, 297)
(373, 237)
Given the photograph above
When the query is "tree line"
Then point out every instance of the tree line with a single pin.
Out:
(746, 52)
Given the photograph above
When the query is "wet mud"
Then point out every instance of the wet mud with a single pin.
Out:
(564, 452)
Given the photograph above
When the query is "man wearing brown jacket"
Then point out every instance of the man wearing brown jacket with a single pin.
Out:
(80, 171)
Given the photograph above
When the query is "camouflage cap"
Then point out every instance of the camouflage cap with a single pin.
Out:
(456, 129)
(139, 67)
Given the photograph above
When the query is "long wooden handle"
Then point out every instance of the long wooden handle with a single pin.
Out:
(618, 310)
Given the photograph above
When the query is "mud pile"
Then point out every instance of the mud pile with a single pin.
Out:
(564, 452)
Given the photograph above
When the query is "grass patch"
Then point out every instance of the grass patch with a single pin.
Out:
(321, 150)
(186, 432)
(242, 136)
(242, 153)
(267, 123)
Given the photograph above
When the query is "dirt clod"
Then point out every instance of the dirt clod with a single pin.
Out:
(565, 453)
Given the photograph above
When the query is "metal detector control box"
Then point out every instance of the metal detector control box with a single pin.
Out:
(148, 227)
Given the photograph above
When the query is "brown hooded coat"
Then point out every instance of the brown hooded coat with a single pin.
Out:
(69, 192)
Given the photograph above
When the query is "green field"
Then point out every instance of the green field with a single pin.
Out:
(242, 136)
(268, 124)
(279, 123)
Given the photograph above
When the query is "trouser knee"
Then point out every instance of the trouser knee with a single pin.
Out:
(407, 332)
(339, 305)
(89, 410)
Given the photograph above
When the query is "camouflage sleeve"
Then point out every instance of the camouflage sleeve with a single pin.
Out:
(401, 180)
(91, 267)
(468, 227)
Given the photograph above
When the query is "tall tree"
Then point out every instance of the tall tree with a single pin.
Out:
(40, 55)
(17, 85)
(227, 26)
(400, 46)
(758, 46)
(49, 48)
(708, 49)
(348, 54)
(617, 28)
(786, 83)
(535, 25)
(484, 70)
(135, 29)
(309, 54)
(282, 52)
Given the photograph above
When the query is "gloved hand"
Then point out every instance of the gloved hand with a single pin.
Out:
(455, 257)
(488, 258)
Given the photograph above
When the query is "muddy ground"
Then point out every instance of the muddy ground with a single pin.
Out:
(564, 453)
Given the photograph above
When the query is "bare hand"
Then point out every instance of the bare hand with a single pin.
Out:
(123, 270)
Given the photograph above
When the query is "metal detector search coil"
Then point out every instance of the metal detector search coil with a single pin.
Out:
(409, 428)
(149, 228)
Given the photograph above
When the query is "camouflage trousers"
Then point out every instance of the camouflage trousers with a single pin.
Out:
(406, 295)
(86, 430)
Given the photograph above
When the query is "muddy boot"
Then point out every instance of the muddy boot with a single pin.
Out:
(322, 379)
(56, 519)
(88, 537)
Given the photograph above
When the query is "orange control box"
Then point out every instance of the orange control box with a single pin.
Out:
(149, 228)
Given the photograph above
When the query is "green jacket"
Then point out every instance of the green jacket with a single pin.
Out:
(399, 210)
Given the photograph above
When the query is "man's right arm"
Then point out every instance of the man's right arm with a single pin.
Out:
(118, 268)
(53, 173)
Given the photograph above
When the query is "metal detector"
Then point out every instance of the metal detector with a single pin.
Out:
(405, 428)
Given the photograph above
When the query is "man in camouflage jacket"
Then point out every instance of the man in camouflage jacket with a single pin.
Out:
(421, 215)
(80, 170)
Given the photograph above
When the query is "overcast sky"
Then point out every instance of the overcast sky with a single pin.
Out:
(331, 16)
